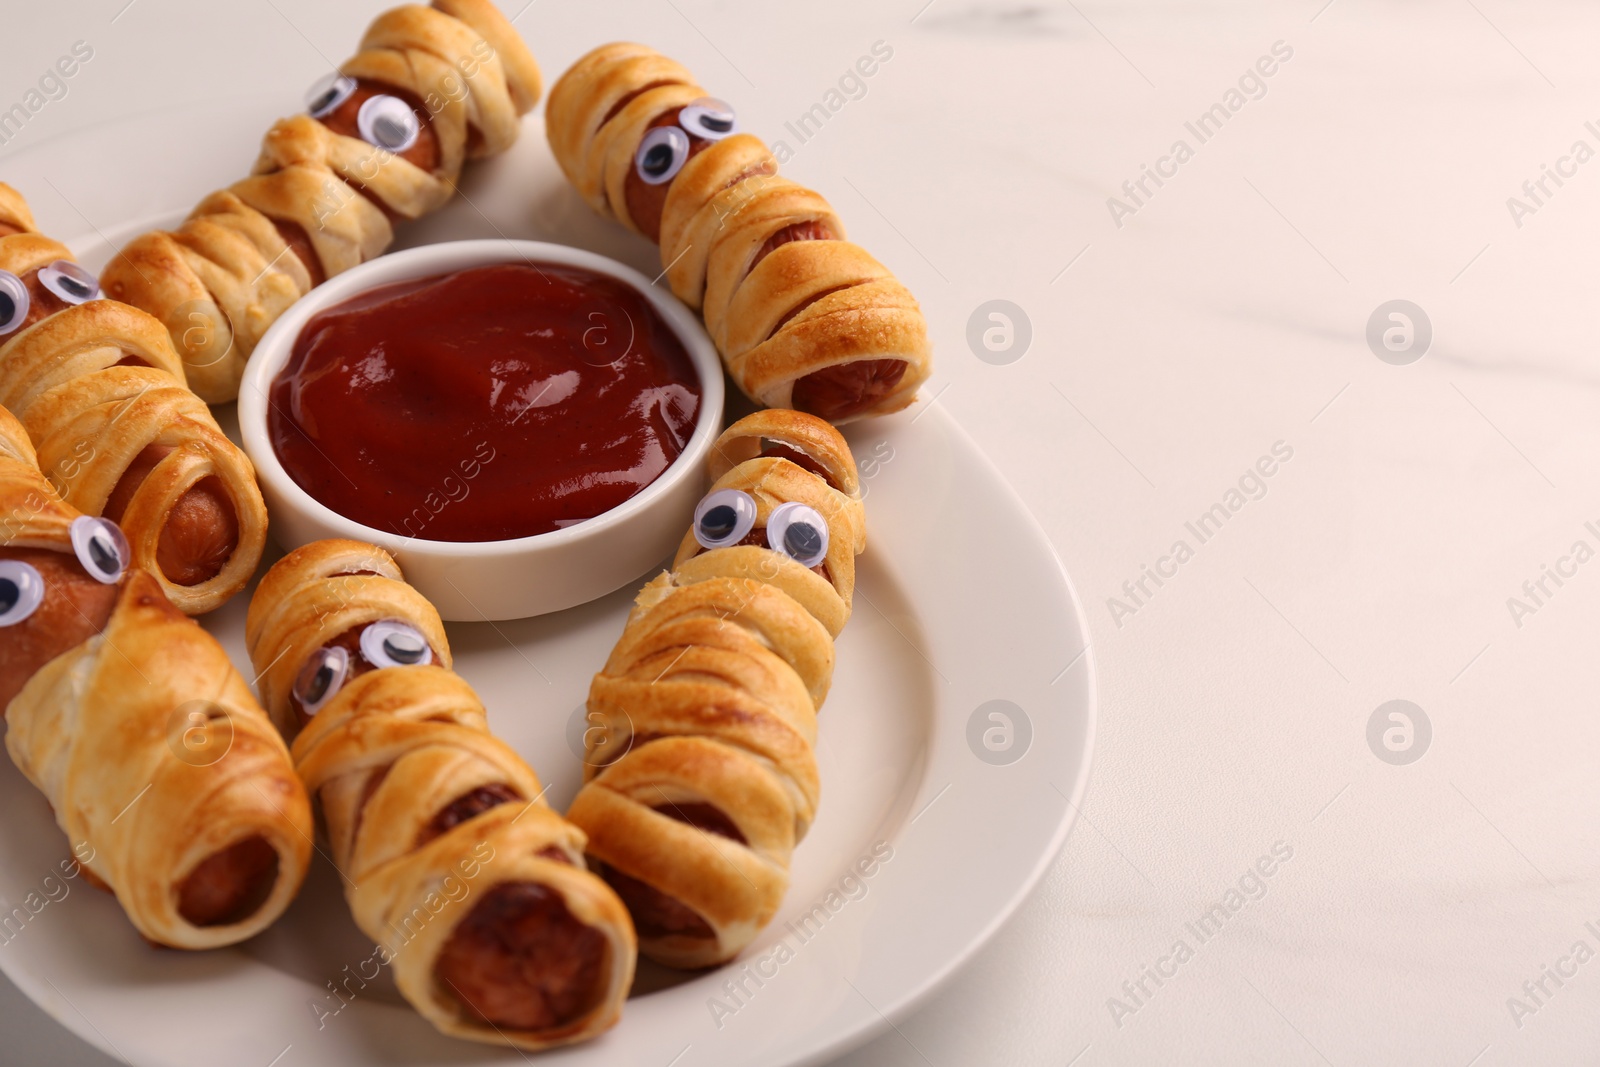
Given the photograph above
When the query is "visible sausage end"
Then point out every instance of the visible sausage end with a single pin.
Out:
(847, 389)
(230, 885)
(521, 960)
(200, 535)
(201, 531)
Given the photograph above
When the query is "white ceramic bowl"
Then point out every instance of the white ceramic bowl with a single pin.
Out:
(478, 580)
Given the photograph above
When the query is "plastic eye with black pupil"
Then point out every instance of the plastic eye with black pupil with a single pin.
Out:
(391, 643)
(724, 518)
(328, 93)
(709, 119)
(21, 591)
(799, 532)
(322, 677)
(70, 282)
(14, 302)
(661, 155)
(100, 547)
(388, 122)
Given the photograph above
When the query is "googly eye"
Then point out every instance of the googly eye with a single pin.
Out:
(328, 93)
(323, 676)
(661, 154)
(395, 644)
(799, 532)
(709, 118)
(388, 122)
(14, 302)
(724, 518)
(100, 547)
(70, 282)
(21, 591)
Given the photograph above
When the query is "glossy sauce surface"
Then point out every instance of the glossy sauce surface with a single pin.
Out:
(497, 402)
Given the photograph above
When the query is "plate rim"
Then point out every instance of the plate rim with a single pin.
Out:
(911, 1001)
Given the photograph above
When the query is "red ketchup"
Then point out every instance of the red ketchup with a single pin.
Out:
(493, 403)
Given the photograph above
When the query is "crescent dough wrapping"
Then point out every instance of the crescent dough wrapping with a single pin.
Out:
(802, 317)
(223, 277)
(436, 824)
(68, 378)
(711, 697)
(158, 761)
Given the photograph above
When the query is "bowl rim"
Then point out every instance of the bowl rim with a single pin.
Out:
(272, 353)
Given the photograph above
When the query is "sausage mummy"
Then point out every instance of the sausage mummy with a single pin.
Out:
(103, 396)
(473, 887)
(701, 776)
(167, 777)
(803, 318)
(384, 140)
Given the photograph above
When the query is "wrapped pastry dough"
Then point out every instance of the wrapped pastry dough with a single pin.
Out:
(803, 318)
(385, 139)
(701, 776)
(102, 394)
(473, 887)
(170, 783)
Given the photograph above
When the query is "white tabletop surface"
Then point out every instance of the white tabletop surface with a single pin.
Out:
(1225, 317)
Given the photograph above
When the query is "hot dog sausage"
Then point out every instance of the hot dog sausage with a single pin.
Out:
(74, 609)
(294, 235)
(646, 201)
(847, 389)
(656, 915)
(522, 960)
(230, 884)
(465, 807)
(809, 230)
(201, 530)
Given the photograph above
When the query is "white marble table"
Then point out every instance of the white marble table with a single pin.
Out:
(1178, 338)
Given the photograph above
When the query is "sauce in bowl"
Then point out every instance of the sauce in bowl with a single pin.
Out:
(493, 403)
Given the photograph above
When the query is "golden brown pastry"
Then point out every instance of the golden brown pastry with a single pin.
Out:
(102, 394)
(384, 139)
(171, 785)
(475, 890)
(803, 318)
(711, 695)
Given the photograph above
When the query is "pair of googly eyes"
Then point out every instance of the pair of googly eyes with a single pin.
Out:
(665, 149)
(388, 643)
(726, 517)
(68, 281)
(99, 546)
(384, 121)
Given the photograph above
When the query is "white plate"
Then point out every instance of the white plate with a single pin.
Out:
(960, 601)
